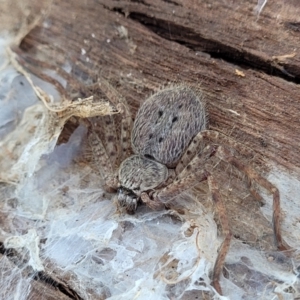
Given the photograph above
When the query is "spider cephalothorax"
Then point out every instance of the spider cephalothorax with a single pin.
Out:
(164, 127)
(138, 174)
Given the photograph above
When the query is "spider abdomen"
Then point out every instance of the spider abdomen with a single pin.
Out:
(166, 123)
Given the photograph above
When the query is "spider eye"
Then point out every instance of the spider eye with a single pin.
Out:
(120, 190)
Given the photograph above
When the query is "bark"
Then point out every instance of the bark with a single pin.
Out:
(140, 46)
(247, 66)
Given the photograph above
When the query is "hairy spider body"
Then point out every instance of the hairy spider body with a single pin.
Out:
(164, 127)
(166, 138)
(140, 174)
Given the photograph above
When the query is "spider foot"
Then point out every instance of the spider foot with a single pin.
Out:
(154, 203)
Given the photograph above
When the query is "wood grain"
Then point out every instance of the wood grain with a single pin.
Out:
(247, 66)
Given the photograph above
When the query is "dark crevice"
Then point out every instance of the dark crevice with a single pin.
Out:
(194, 41)
(172, 2)
(15, 258)
(3, 251)
(295, 26)
(43, 277)
(140, 1)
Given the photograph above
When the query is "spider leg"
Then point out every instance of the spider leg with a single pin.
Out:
(216, 136)
(108, 156)
(106, 130)
(251, 174)
(196, 144)
(153, 204)
(126, 123)
(189, 153)
(126, 127)
(189, 177)
(101, 159)
(227, 156)
(224, 248)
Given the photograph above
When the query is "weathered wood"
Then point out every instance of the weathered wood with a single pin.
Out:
(235, 57)
(225, 29)
(259, 110)
(40, 290)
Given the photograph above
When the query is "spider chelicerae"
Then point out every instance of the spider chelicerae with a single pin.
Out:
(166, 137)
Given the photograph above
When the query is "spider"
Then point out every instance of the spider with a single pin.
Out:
(168, 131)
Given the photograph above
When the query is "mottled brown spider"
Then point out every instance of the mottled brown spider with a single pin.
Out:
(166, 136)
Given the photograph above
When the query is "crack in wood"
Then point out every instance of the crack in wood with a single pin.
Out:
(194, 41)
(43, 277)
(295, 26)
(173, 2)
(215, 48)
